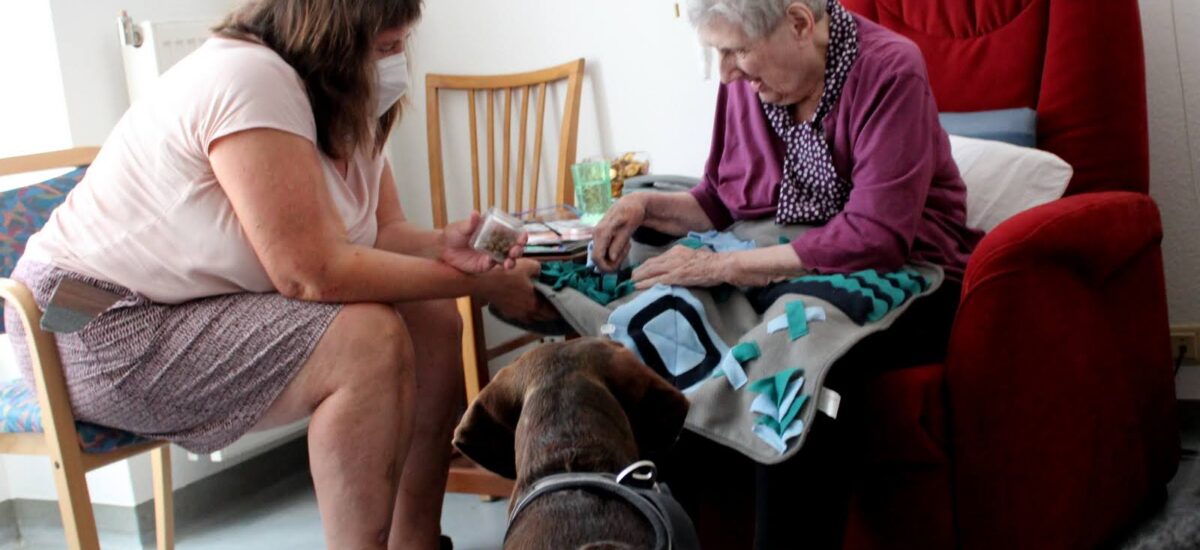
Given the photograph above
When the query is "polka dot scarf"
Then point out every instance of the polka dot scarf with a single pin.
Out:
(811, 191)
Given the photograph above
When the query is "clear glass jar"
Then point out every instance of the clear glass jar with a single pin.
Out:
(497, 234)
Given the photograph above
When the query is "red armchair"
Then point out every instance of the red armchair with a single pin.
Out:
(1053, 419)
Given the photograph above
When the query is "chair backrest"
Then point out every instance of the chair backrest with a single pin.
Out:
(491, 88)
(67, 158)
(26, 209)
(1079, 64)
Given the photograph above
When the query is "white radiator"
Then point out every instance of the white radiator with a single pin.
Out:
(148, 49)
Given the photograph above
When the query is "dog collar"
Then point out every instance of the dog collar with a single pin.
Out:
(637, 484)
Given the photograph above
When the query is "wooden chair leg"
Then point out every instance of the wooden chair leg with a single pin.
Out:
(74, 502)
(474, 349)
(164, 498)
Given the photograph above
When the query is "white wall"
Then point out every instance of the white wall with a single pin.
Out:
(643, 89)
(86, 34)
(1171, 29)
(32, 118)
(1173, 85)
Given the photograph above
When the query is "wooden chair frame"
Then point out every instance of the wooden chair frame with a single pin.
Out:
(464, 477)
(60, 442)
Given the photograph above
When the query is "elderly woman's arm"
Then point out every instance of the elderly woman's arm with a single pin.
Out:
(276, 185)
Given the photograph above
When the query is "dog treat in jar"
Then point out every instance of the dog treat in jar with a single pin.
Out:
(497, 234)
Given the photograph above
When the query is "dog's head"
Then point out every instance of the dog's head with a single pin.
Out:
(655, 409)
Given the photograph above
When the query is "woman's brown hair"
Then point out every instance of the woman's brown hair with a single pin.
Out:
(328, 42)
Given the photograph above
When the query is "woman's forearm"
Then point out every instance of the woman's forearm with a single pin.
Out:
(674, 213)
(403, 237)
(761, 266)
(355, 273)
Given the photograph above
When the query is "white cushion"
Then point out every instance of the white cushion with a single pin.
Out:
(1004, 179)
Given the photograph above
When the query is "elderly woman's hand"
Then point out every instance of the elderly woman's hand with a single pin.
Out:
(457, 251)
(683, 266)
(612, 237)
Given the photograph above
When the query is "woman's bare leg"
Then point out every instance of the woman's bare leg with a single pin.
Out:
(436, 330)
(358, 386)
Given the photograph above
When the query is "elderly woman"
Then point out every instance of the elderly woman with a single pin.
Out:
(825, 119)
(245, 227)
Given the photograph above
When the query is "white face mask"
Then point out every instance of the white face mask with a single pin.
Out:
(391, 81)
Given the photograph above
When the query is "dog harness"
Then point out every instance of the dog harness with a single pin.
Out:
(638, 485)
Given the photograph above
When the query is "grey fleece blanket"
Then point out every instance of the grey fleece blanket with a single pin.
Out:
(753, 362)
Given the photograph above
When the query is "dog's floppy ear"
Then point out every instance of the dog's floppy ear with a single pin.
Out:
(656, 410)
(487, 433)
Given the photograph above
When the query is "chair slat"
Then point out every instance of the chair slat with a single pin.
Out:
(491, 145)
(433, 137)
(474, 150)
(507, 148)
(521, 148)
(537, 146)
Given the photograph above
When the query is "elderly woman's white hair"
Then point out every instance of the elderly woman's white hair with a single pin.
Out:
(756, 17)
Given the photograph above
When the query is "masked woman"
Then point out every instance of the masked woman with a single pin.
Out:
(248, 226)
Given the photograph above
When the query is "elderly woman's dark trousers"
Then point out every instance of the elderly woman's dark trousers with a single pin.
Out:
(802, 503)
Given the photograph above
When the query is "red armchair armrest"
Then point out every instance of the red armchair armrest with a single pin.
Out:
(1059, 378)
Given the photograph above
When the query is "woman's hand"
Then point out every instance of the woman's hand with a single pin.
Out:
(612, 236)
(457, 251)
(683, 266)
(512, 294)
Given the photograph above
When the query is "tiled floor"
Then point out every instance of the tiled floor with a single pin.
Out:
(285, 517)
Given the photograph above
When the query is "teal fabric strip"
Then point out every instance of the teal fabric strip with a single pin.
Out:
(745, 352)
(608, 283)
(797, 320)
(599, 288)
(691, 242)
(917, 276)
(894, 295)
(784, 240)
(777, 383)
(794, 410)
(905, 282)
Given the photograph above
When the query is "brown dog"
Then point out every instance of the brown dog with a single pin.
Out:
(586, 405)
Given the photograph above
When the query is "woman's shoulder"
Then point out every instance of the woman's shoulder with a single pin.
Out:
(220, 60)
(884, 54)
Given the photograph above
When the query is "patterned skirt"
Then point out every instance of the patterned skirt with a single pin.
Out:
(199, 374)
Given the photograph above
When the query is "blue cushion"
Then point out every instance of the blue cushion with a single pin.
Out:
(1015, 126)
(20, 413)
(26, 210)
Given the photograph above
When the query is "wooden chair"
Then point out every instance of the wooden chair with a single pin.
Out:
(465, 477)
(60, 440)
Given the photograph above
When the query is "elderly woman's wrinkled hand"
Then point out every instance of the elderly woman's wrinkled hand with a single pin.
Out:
(683, 266)
(612, 237)
(458, 253)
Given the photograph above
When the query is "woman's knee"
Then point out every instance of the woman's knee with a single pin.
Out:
(437, 318)
(375, 345)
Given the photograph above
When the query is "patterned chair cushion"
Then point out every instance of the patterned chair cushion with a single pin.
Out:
(20, 413)
(25, 211)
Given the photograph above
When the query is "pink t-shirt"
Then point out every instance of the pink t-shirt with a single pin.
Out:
(150, 215)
